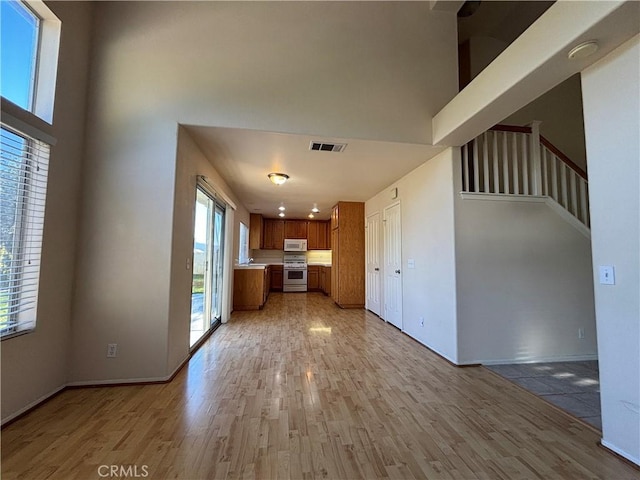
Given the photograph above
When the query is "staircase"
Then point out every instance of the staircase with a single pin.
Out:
(512, 162)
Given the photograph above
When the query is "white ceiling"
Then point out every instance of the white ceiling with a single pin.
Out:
(245, 157)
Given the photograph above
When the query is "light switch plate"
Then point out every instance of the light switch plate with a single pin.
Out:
(411, 263)
(607, 275)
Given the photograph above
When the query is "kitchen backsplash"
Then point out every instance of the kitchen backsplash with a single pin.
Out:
(319, 256)
(276, 256)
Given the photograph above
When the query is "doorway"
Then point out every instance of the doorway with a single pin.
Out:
(393, 265)
(208, 254)
(372, 252)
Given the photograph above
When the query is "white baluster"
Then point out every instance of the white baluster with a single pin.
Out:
(545, 174)
(563, 185)
(525, 166)
(554, 177)
(514, 159)
(496, 171)
(485, 162)
(536, 169)
(476, 169)
(505, 162)
(465, 166)
(583, 201)
(574, 193)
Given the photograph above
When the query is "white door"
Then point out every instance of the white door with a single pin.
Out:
(392, 266)
(372, 251)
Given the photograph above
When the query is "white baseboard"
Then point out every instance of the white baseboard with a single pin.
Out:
(555, 358)
(92, 383)
(620, 452)
(35, 403)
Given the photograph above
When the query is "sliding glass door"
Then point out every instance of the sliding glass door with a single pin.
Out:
(208, 265)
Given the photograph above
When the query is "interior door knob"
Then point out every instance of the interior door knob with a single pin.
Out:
(397, 271)
(377, 269)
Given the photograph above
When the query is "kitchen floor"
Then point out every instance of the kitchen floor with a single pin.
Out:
(571, 386)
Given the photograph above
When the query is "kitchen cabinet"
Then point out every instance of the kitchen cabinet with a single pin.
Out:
(255, 231)
(295, 229)
(348, 262)
(325, 280)
(273, 234)
(250, 288)
(318, 235)
(276, 277)
(313, 278)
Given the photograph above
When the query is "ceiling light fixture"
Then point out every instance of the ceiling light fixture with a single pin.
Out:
(311, 215)
(281, 214)
(583, 50)
(315, 209)
(281, 208)
(278, 178)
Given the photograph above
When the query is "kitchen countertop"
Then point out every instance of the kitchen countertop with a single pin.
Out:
(319, 264)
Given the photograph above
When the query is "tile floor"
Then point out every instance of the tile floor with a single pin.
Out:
(572, 386)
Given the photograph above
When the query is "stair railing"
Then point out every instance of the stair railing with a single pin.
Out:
(515, 160)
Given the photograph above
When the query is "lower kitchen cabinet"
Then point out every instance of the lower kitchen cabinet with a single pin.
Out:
(325, 280)
(250, 288)
(313, 278)
(277, 277)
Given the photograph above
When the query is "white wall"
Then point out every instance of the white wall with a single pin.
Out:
(191, 163)
(267, 65)
(524, 284)
(35, 365)
(560, 111)
(611, 109)
(426, 199)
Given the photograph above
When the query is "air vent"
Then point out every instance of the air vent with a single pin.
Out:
(328, 147)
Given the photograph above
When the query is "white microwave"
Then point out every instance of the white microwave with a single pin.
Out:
(295, 245)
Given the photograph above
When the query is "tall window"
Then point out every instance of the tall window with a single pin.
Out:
(23, 185)
(243, 250)
(20, 30)
(30, 36)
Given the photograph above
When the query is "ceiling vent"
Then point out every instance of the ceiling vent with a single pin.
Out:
(328, 147)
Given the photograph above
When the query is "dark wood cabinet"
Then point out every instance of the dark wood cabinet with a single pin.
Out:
(273, 234)
(313, 278)
(318, 235)
(276, 277)
(255, 231)
(295, 229)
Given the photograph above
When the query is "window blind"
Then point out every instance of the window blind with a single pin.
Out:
(24, 165)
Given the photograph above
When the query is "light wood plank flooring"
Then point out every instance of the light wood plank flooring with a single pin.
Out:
(305, 390)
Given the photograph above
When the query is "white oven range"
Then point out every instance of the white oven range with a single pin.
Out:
(295, 272)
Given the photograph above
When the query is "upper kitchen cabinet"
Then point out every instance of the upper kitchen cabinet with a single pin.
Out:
(295, 229)
(318, 235)
(347, 258)
(255, 231)
(273, 234)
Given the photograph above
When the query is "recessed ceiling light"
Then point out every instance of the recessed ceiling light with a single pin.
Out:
(278, 178)
(311, 215)
(281, 214)
(281, 208)
(583, 50)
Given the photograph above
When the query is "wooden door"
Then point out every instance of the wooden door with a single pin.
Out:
(393, 266)
(312, 236)
(313, 278)
(372, 253)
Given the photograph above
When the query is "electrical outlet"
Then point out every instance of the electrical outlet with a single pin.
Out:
(581, 333)
(422, 321)
(112, 350)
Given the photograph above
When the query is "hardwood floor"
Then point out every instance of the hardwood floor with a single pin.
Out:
(303, 389)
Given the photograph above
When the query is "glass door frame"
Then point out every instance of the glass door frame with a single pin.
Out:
(214, 259)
